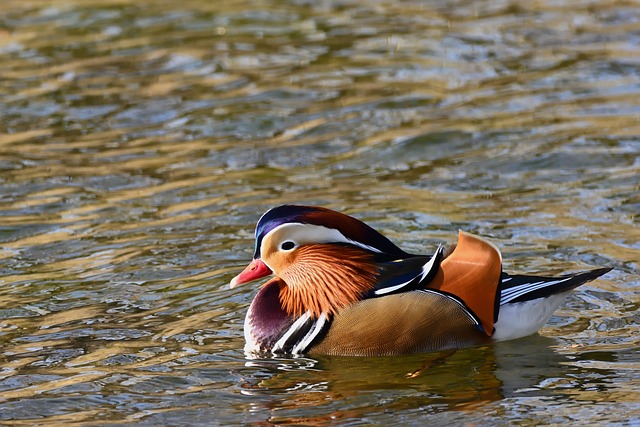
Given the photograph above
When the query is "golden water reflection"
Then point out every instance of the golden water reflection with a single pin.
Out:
(140, 142)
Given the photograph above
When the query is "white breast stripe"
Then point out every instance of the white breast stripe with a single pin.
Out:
(306, 341)
(279, 345)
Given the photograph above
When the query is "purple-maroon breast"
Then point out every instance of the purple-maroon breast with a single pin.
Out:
(267, 320)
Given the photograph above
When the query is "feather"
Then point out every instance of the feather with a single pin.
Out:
(472, 273)
(406, 274)
(404, 323)
(518, 288)
(351, 228)
(325, 278)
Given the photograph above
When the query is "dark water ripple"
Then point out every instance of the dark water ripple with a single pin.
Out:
(140, 142)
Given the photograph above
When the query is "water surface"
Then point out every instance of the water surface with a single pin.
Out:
(140, 142)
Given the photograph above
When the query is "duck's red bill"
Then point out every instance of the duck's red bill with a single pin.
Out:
(255, 270)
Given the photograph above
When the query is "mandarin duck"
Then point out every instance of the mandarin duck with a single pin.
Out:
(342, 288)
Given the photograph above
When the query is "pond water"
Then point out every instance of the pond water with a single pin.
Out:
(140, 142)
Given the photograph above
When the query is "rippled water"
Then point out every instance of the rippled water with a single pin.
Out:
(140, 142)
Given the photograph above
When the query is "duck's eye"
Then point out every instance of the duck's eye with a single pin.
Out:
(288, 245)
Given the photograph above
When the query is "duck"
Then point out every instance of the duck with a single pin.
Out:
(339, 287)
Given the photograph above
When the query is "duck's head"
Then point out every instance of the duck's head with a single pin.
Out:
(323, 260)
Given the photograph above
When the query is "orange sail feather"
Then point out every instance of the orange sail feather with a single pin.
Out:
(472, 273)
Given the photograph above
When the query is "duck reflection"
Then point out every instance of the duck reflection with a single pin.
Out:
(325, 390)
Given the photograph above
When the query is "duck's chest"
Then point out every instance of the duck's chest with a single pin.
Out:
(266, 322)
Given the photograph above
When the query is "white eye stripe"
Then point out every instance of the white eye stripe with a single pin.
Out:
(302, 234)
